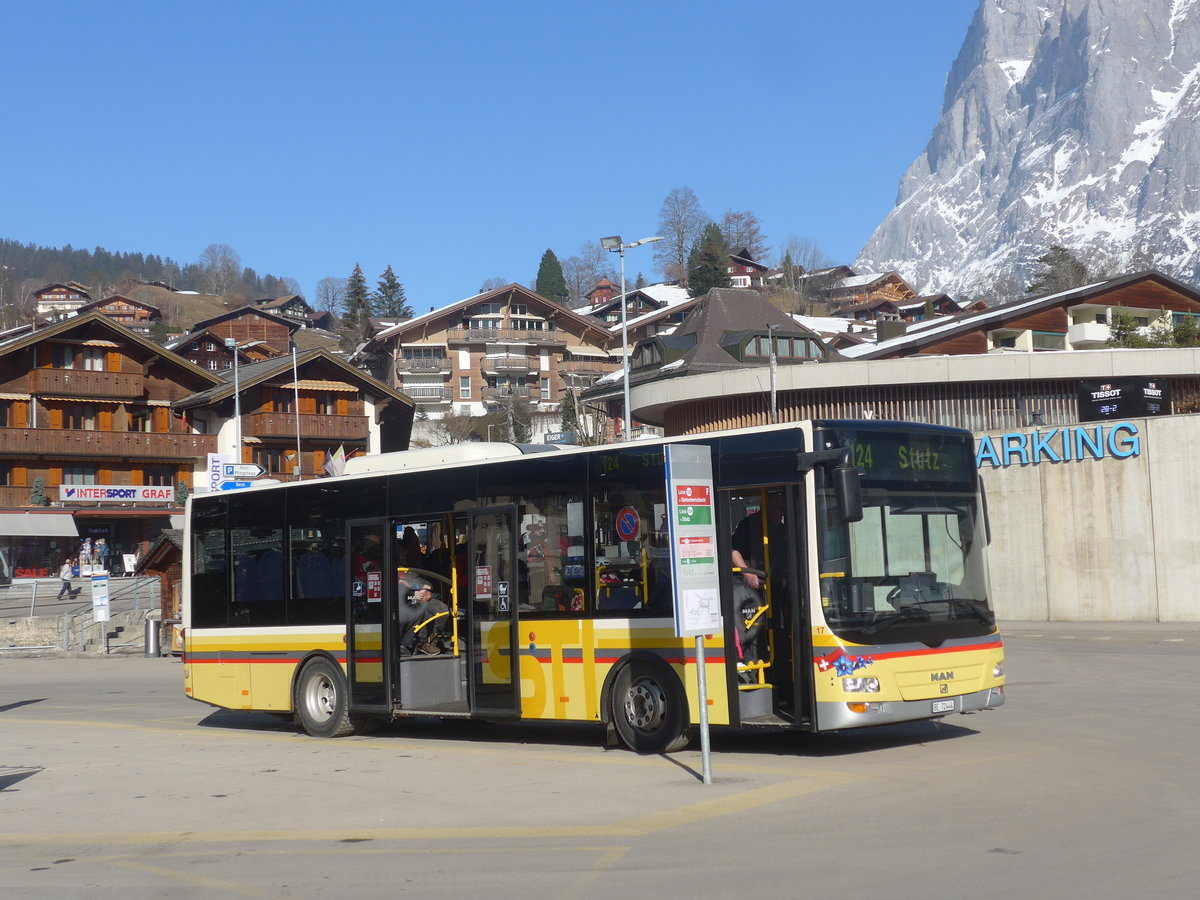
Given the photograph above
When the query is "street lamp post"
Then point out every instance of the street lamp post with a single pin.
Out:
(613, 245)
(232, 344)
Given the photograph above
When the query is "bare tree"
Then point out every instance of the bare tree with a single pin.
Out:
(680, 222)
(801, 261)
(491, 284)
(222, 268)
(742, 229)
(331, 291)
(582, 272)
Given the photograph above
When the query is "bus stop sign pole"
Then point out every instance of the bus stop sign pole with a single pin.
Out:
(692, 528)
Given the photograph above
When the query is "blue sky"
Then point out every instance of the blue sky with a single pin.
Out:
(457, 141)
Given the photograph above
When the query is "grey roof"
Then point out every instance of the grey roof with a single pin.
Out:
(700, 342)
(256, 372)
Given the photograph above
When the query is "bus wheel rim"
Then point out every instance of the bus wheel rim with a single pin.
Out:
(645, 705)
(321, 697)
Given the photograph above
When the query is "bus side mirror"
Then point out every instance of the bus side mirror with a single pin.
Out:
(848, 489)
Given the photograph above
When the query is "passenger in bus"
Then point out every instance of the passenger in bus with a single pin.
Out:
(410, 549)
(749, 591)
(423, 621)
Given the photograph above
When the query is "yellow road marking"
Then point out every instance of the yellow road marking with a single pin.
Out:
(636, 827)
(199, 881)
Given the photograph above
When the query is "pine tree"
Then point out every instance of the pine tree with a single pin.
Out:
(551, 283)
(358, 302)
(708, 263)
(570, 418)
(389, 299)
(1061, 271)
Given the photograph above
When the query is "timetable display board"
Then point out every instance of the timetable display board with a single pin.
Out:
(692, 531)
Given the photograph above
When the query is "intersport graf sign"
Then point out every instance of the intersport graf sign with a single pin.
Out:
(114, 493)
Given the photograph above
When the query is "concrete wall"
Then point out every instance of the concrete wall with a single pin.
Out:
(1100, 540)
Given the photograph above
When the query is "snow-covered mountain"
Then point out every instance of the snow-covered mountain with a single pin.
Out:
(1073, 122)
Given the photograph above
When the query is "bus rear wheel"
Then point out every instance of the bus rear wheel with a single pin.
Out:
(322, 700)
(649, 708)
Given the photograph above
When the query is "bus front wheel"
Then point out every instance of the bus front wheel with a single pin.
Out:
(649, 708)
(322, 701)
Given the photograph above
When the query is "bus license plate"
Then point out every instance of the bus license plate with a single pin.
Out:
(943, 706)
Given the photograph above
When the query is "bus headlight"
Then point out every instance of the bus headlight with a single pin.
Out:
(998, 670)
(860, 685)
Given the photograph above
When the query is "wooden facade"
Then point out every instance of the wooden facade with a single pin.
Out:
(1068, 320)
(133, 314)
(510, 342)
(87, 402)
(249, 324)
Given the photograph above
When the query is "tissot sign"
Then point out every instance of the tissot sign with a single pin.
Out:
(114, 493)
(1122, 398)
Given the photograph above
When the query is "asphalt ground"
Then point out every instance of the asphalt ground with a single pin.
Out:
(113, 784)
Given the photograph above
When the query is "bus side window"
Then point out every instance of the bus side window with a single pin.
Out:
(318, 595)
(552, 579)
(210, 575)
(256, 544)
(633, 572)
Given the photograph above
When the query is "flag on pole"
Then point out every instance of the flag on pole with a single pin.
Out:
(337, 462)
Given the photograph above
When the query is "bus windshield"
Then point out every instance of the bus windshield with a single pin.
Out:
(913, 569)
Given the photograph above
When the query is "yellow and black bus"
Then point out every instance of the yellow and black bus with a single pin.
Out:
(853, 585)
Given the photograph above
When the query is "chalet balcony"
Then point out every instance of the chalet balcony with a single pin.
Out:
(84, 384)
(505, 335)
(508, 365)
(52, 443)
(496, 394)
(14, 495)
(333, 428)
(432, 365)
(427, 393)
(588, 368)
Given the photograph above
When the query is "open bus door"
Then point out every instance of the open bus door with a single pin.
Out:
(768, 608)
(491, 574)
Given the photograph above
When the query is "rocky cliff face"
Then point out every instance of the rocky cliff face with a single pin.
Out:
(1065, 121)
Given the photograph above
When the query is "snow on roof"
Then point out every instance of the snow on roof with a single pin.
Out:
(860, 280)
(665, 293)
(824, 323)
(941, 326)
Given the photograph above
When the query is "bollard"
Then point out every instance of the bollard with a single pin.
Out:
(153, 638)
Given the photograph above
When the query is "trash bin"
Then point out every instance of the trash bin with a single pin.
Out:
(153, 638)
